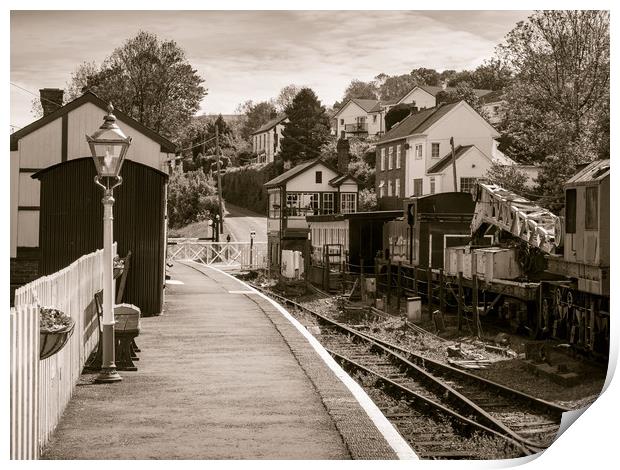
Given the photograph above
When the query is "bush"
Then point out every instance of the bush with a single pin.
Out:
(191, 198)
(368, 200)
(243, 186)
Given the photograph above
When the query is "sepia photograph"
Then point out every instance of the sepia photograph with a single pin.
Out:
(307, 234)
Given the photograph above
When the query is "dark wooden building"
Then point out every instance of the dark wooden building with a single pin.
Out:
(71, 224)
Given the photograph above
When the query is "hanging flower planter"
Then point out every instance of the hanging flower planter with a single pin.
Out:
(55, 330)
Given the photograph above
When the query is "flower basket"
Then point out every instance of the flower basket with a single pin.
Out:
(55, 329)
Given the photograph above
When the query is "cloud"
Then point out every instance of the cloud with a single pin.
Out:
(252, 54)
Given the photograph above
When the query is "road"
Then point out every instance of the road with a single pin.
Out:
(239, 221)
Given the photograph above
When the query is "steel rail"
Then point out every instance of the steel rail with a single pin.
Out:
(419, 364)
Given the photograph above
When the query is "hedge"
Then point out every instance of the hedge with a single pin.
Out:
(243, 186)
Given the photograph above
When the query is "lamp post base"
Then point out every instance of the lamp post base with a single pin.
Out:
(108, 375)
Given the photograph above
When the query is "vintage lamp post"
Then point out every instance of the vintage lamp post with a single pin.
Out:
(108, 146)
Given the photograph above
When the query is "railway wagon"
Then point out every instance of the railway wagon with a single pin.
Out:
(577, 309)
(429, 225)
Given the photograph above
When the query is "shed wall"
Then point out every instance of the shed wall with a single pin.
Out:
(71, 224)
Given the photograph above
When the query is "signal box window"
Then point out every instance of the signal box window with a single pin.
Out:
(468, 184)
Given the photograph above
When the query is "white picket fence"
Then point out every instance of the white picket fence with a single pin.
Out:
(41, 389)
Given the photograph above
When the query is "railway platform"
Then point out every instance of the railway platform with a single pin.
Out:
(224, 373)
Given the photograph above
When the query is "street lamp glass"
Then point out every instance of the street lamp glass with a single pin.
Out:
(108, 146)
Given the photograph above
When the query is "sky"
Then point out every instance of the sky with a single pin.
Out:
(245, 55)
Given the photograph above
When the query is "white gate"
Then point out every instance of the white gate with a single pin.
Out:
(224, 255)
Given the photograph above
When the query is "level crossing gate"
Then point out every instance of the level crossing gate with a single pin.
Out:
(224, 255)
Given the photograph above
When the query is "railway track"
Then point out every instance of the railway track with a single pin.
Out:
(460, 403)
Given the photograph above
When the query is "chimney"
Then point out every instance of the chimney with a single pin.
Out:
(51, 99)
(342, 148)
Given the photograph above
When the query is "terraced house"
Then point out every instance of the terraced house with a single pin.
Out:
(414, 157)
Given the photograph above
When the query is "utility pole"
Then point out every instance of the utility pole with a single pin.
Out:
(453, 163)
(219, 178)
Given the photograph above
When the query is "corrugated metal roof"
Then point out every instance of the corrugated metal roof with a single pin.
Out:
(595, 171)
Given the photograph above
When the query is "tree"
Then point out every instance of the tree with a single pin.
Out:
(426, 76)
(558, 99)
(397, 113)
(286, 96)
(150, 80)
(368, 200)
(508, 177)
(191, 198)
(463, 92)
(255, 115)
(362, 90)
(396, 86)
(308, 128)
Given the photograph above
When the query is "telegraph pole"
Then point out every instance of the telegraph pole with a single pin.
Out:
(453, 163)
(219, 177)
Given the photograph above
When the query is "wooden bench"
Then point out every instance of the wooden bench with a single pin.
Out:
(126, 327)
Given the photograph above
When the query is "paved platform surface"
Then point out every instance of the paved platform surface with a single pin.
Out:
(222, 375)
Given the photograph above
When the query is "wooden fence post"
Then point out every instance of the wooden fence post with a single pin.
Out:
(459, 315)
(429, 290)
(398, 286)
(389, 285)
(442, 300)
(474, 306)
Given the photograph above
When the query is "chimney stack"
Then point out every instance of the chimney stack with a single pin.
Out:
(342, 148)
(51, 99)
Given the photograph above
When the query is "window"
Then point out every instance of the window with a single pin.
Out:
(342, 122)
(347, 202)
(418, 151)
(374, 118)
(397, 187)
(318, 177)
(382, 159)
(390, 158)
(592, 208)
(274, 205)
(417, 187)
(292, 204)
(381, 186)
(398, 156)
(389, 193)
(435, 150)
(328, 203)
(468, 184)
(571, 211)
(432, 185)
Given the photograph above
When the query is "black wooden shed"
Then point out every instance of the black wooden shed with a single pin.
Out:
(71, 224)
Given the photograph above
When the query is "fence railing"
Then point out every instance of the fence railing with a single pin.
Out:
(38, 409)
(235, 255)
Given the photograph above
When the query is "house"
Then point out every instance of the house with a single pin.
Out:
(425, 96)
(310, 188)
(359, 118)
(56, 211)
(421, 142)
(267, 138)
(493, 104)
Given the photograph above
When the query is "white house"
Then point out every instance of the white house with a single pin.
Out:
(358, 118)
(413, 147)
(425, 96)
(493, 105)
(266, 139)
(310, 188)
